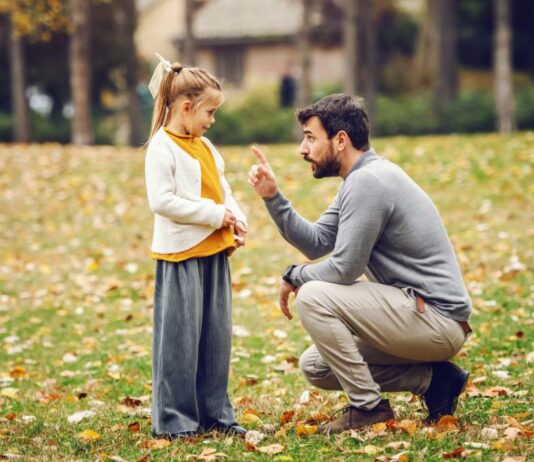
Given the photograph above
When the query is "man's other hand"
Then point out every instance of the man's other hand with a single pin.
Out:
(285, 290)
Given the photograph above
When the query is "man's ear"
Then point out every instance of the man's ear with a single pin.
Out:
(342, 140)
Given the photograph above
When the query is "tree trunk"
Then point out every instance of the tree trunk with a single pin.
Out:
(19, 103)
(189, 53)
(304, 47)
(443, 46)
(502, 64)
(135, 125)
(360, 51)
(80, 71)
(422, 75)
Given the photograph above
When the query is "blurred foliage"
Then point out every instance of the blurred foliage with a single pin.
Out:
(47, 53)
(37, 20)
(401, 109)
(475, 34)
(257, 118)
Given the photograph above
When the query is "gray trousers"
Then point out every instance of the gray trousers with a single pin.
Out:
(191, 345)
(369, 338)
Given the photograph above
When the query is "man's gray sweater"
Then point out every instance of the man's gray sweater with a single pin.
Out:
(383, 224)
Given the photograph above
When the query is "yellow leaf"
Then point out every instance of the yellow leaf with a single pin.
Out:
(88, 435)
(11, 393)
(304, 430)
(17, 372)
(379, 427)
(409, 426)
(158, 444)
(249, 418)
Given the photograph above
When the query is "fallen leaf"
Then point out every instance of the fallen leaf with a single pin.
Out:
(88, 436)
(398, 445)
(271, 449)
(447, 423)
(207, 455)
(131, 402)
(251, 419)
(79, 416)
(11, 393)
(456, 454)
(254, 437)
(409, 426)
(305, 430)
(511, 433)
(17, 372)
(134, 427)
(286, 417)
(379, 427)
(158, 443)
(489, 433)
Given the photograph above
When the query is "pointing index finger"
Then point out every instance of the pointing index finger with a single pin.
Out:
(262, 159)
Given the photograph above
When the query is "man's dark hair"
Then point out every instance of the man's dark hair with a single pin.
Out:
(340, 112)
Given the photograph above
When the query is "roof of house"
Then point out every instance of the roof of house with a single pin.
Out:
(228, 19)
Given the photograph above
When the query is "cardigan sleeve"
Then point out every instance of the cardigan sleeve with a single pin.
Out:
(229, 198)
(162, 197)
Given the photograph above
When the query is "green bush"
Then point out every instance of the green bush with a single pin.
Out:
(524, 103)
(404, 116)
(256, 118)
(472, 111)
(5, 127)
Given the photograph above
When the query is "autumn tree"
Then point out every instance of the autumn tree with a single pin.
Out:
(80, 71)
(28, 21)
(305, 54)
(436, 59)
(188, 52)
(360, 51)
(502, 66)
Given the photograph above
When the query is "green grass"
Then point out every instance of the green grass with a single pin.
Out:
(76, 277)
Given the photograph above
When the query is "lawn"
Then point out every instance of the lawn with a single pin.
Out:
(76, 286)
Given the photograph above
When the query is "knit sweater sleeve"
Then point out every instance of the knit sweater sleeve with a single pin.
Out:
(364, 208)
(314, 240)
(163, 200)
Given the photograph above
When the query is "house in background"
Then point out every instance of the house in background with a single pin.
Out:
(246, 42)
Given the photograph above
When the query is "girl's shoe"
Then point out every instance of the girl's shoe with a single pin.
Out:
(175, 436)
(233, 430)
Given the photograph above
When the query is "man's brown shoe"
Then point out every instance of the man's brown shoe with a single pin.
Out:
(354, 418)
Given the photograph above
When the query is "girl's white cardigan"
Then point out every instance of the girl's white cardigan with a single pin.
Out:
(182, 219)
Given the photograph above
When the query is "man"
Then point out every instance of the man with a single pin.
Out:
(396, 331)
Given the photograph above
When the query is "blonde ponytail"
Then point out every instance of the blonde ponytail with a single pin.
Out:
(189, 82)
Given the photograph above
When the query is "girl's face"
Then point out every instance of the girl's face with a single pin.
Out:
(197, 120)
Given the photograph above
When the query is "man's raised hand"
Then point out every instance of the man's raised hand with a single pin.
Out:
(261, 176)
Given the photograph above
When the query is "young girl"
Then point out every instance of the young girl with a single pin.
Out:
(197, 225)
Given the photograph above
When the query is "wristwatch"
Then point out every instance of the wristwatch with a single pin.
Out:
(287, 274)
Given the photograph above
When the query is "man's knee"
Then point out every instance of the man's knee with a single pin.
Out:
(307, 363)
(308, 366)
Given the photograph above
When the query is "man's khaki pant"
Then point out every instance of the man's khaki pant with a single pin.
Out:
(369, 338)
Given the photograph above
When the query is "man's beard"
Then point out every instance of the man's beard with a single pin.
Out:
(328, 166)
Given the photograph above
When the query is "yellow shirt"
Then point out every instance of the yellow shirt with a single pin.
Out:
(221, 239)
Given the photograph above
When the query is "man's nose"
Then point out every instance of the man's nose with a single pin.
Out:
(303, 148)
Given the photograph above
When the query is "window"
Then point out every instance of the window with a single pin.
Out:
(230, 64)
